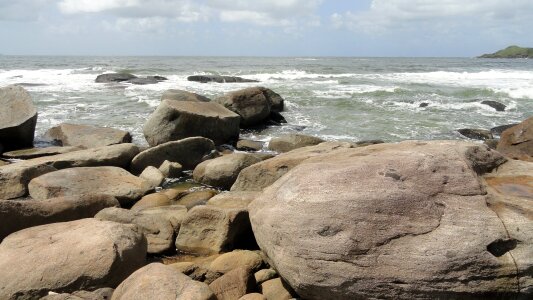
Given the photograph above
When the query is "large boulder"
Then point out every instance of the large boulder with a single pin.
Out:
(188, 152)
(233, 199)
(175, 120)
(252, 104)
(16, 215)
(260, 175)
(498, 106)
(218, 79)
(39, 152)
(14, 178)
(18, 118)
(112, 181)
(158, 281)
(293, 141)
(379, 221)
(65, 257)
(114, 77)
(517, 141)
(87, 136)
(476, 134)
(181, 95)
(222, 171)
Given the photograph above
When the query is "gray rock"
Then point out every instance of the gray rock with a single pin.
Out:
(276, 101)
(180, 95)
(16, 215)
(379, 221)
(87, 136)
(65, 257)
(175, 120)
(252, 104)
(498, 130)
(158, 281)
(112, 181)
(290, 142)
(171, 169)
(18, 118)
(494, 104)
(218, 79)
(249, 145)
(187, 152)
(39, 152)
(114, 77)
(144, 81)
(222, 171)
(14, 178)
(517, 141)
(476, 134)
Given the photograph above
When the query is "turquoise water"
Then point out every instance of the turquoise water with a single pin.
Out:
(335, 98)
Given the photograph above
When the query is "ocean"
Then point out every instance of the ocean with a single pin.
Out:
(336, 98)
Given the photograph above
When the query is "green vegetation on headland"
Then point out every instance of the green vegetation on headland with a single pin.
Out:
(511, 52)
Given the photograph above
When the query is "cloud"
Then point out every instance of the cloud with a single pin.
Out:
(385, 15)
(22, 10)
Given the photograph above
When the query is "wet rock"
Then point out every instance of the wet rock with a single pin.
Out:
(234, 284)
(218, 79)
(188, 152)
(290, 142)
(497, 131)
(249, 145)
(39, 152)
(251, 104)
(114, 77)
(18, 118)
(476, 134)
(180, 95)
(88, 253)
(147, 80)
(494, 104)
(175, 120)
(423, 104)
(87, 136)
(90, 180)
(222, 171)
(517, 141)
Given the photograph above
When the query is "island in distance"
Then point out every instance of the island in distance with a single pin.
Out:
(511, 52)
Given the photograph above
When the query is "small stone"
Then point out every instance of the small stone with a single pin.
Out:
(171, 169)
(265, 275)
(153, 175)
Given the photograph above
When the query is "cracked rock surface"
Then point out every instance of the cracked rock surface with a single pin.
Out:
(407, 221)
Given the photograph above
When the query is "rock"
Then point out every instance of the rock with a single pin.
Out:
(492, 143)
(218, 79)
(252, 104)
(39, 152)
(222, 171)
(253, 296)
(276, 101)
(3, 163)
(157, 281)
(234, 284)
(90, 180)
(18, 118)
(114, 77)
(144, 81)
(188, 152)
(14, 178)
(175, 120)
(290, 142)
(238, 200)
(158, 231)
(423, 104)
(498, 130)
(175, 214)
(99, 294)
(265, 275)
(379, 221)
(197, 268)
(211, 230)
(365, 143)
(66, 257)
(476, 134)
(235, 259)
(517, 142)
(171, 169)
(87, 136)
(153, 175)
(16, 215)
(276, 118)
(277, 289)
(151, 200)
(196, 198)
(248, 145)
(263, 174)
(494, 104)
(180, 95)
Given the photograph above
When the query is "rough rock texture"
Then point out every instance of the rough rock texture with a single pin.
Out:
(476, 134)
(153, 175)
(222, 171)
(175, 120)
(188, 152)
(249, 145)
(114, 77)
(211, 230)
(180, 95)
(196, 198)
(252, 104)
(87, 136)
(171, 169)
(157, 281)
(263, 174)
(379, 222)
(253, 296)
(158, 231)
(151, 200)
(234, 284)
(39, 152)
(14, 178)
(235, 259)
(218, 79)
(175, 214)
(197, 268)
(494, 104)
(290, 142)
(16, 215)
(18, 118)
(112, 181)
(66, 257)
(277, 289)
(265, 275)
(517, 142)
(233, 199)
(99, 294)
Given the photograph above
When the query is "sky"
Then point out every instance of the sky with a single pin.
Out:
(393, 28)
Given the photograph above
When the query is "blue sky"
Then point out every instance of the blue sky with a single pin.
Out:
(264, 27)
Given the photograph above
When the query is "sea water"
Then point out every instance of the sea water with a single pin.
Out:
(336, 98)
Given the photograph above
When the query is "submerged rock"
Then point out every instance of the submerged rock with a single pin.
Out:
(218, 79)
(18, 118)
(87, 136)
(114, 77)
(494, 104)
(476, 134)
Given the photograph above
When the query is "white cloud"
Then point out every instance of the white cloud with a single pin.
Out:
(92, 6)
(22, 10)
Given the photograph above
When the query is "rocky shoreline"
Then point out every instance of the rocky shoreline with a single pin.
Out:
(203, 214)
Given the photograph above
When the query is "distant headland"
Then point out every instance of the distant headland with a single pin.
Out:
(511, 52)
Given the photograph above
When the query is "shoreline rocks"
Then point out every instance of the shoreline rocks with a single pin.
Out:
(517, 141)
(218, 79)
(86, 136)
(18, 118)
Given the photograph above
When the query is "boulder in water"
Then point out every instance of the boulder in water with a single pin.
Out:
(293, 141)
(218, 79)
(494, 104)
(87, 136)
(114, 77)
(252, 104)
(476, 134)
(180, 95)
(18, 118)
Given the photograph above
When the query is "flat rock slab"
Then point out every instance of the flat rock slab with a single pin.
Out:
(39, 152)
(87, 136)
(67, 257)
(18, 118)
(218, 79)
(112, 181)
